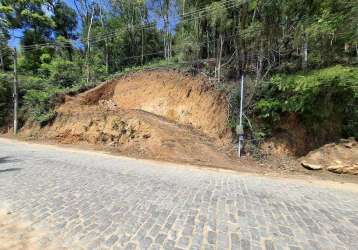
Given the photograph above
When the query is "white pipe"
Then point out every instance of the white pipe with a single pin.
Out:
(241, 111)
(241, 98)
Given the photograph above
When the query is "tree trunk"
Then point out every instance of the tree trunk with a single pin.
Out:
(107, 57)
(208, 44)
(2, 61)
(305, 54)
(183, 7)
(166, 37)
(88, 49)
(105, 42)
(346, 47)
(260, 61)
(142, 52)
(170, 46)
(219, 57)
(165, 47)
(70, 56)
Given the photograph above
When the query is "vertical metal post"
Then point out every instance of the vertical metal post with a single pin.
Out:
(15, 94)
(240, 130)
(241, 98)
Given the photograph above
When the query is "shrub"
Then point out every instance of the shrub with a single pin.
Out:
(38, 99)
(329, 94)
(61, 73)
(5, 96)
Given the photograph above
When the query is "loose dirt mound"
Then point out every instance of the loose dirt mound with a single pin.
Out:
(157, 114)
(178, 97)
(339, 158)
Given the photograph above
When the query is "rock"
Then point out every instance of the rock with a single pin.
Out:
(344, 169)
(343, 140)
(350, 144)
(335, 169)
(352, 170)
(311, 166)
(340, 158)
(329, 145)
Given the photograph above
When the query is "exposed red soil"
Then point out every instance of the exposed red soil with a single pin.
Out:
(161, 114)
(170, 116)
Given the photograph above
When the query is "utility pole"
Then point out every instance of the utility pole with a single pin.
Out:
(240, 128)
(15, 94)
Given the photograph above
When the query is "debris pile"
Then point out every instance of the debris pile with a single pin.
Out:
(340, 158)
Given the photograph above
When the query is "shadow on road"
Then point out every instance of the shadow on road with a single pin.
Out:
(9, 170)
(7, 159)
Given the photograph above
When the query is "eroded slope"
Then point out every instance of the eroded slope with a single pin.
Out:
(157, 114)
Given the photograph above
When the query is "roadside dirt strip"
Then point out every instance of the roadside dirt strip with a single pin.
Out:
(88, 200)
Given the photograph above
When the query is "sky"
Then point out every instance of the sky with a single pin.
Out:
(16, 34)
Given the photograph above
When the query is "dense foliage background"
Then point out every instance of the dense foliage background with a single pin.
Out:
(299, 56)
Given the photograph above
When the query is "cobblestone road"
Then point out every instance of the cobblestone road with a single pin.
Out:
(96, 201)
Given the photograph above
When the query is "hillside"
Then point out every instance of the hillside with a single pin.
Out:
(159, 114)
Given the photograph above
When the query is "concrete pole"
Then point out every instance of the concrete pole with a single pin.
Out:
(241, 98)
(240, 130)
(15, 94)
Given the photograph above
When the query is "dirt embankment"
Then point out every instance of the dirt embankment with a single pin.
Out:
(291, 137)
(161, 114)
(166, 115)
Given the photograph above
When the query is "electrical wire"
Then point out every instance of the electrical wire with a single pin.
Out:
(174, 50)
(180, 15)
(231, 3)
(194, 16)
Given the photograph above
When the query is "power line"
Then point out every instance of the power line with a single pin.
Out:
(233, 4)
(180, 15)
(37, 46)
(147, 26)
(174, 50)
(230, 4)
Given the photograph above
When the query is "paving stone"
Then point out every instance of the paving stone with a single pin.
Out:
(169, 244)
(160, 238)
(183, 242)
(130, 246)
(105, 202)
(211, 237)
(245, 244)
(269, 245)
(294, 248)
(112, 240)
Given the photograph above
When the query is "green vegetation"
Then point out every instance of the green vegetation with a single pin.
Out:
(287, 49)
(5, 97)
(330, 94)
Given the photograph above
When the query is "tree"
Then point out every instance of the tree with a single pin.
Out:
(31, 16)
(4, 37)
(219, 23)
(65, 20)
